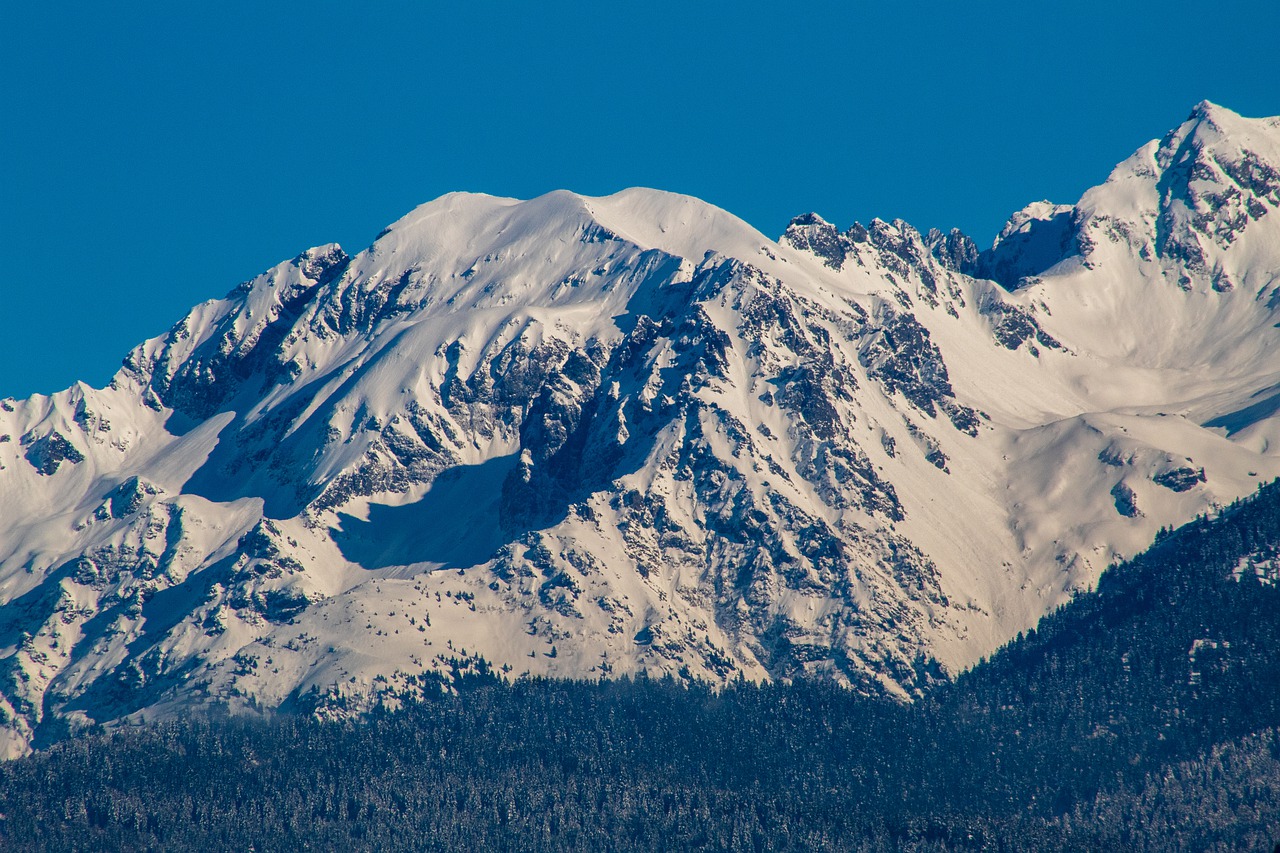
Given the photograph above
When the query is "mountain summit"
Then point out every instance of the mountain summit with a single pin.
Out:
(585, 436)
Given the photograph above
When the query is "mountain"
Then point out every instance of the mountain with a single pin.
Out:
(1137, 717)
(594, 436)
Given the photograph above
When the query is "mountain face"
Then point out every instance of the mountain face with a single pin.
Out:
(1138, 717)
(591, 436)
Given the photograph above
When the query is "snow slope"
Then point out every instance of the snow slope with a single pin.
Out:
(590, 436)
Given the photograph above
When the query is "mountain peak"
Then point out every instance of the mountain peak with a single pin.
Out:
(810, 232)
(1179, 200)
(1035, 238)
(805, 219)
(677, 224)
(1209, 126)
(1208, 110)
(1022, 220)
(1214, 174)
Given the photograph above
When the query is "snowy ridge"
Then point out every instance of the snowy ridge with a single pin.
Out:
(590, 436)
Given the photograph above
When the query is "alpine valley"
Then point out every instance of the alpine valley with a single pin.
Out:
(590, 437)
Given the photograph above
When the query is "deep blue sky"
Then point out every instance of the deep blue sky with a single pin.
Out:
(153, 155)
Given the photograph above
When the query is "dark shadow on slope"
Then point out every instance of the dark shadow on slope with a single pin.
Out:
(271, 456)
(124, 690)
(656, 296)
(454, 525)
(1040, 245)
(265, 458)
(178, 424)
(1236, 421)
(33, 607)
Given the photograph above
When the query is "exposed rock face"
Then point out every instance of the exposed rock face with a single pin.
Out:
(1209, 192)
(1034, 240)
(898, 353)
(1126, 500)
(814, 234)
(1180, 479)
(46, 453)
(584, 437)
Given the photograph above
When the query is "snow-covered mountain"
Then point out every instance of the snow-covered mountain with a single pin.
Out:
(592, 436)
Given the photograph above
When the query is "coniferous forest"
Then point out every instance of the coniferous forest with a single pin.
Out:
(1142, 716)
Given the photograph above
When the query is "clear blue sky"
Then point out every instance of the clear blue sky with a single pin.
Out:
(153, 155)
